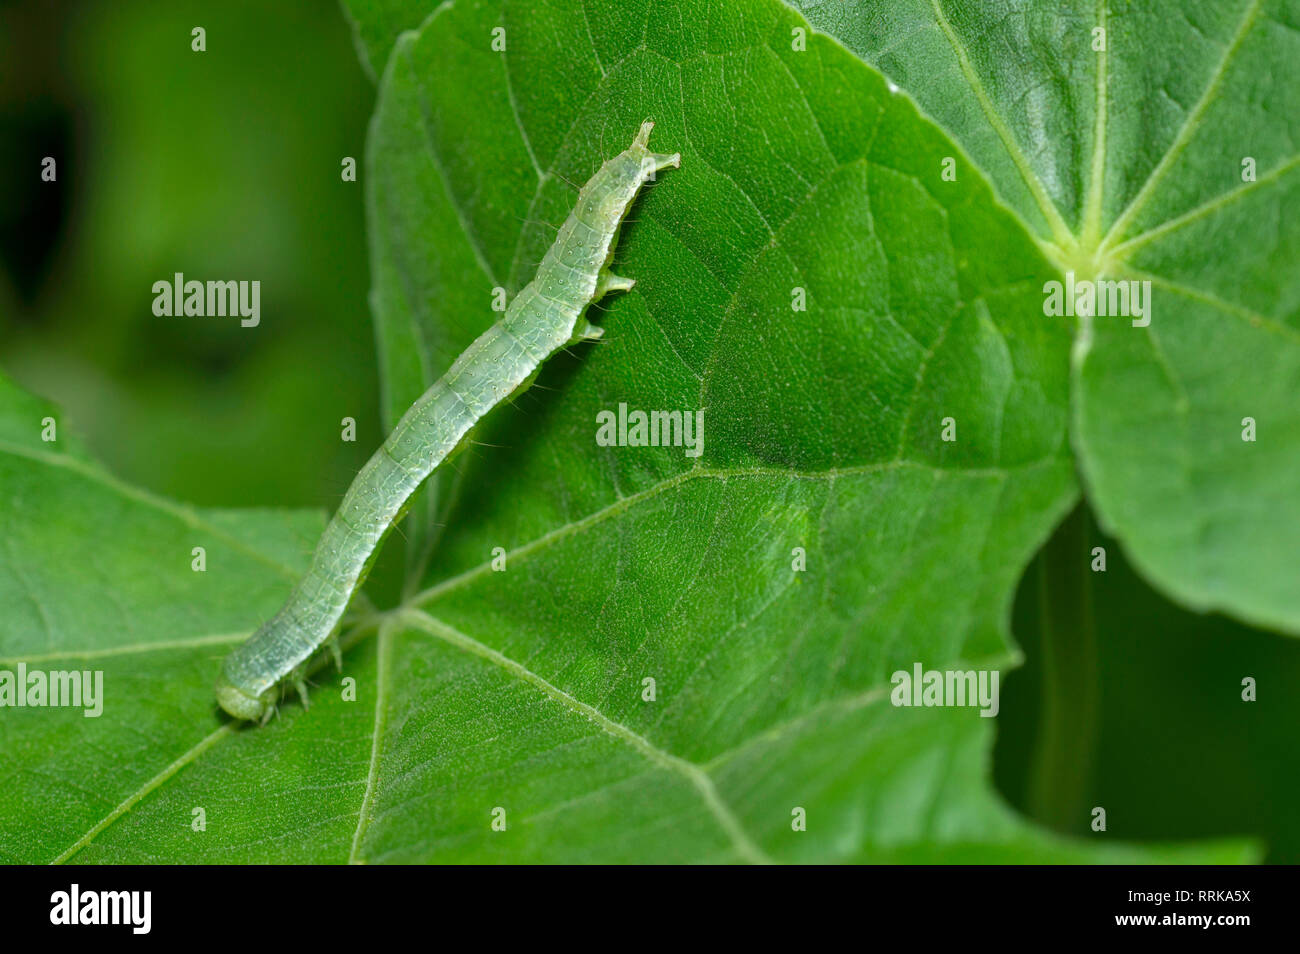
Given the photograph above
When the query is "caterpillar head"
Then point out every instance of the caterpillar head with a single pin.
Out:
(241, 704)
(651, 162)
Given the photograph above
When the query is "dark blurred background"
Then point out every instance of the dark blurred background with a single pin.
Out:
(1133, 704)
(226, 165)
(223, 164)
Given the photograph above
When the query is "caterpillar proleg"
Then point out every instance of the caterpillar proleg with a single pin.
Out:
(545, 316)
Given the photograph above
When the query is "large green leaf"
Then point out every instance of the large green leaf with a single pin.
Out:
(524, 689)
(800, 168)
(1128, 163)
(97, 575)
(376, 25)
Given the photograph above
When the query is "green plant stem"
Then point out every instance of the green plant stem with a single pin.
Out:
(1065, 745)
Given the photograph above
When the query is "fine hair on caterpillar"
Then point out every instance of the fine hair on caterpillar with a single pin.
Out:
(546, 316)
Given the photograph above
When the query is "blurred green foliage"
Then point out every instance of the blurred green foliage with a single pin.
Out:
(223, 164)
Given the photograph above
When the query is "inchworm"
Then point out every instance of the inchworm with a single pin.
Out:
(546, 316)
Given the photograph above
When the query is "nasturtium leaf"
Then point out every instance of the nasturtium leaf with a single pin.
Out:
(376, 25)
(97, 575)
(801, 169)
(1169, 157)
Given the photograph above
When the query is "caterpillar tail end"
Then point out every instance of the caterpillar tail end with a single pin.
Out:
(240, 704)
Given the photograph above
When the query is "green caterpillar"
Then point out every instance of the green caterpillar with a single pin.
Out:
(547, 315)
